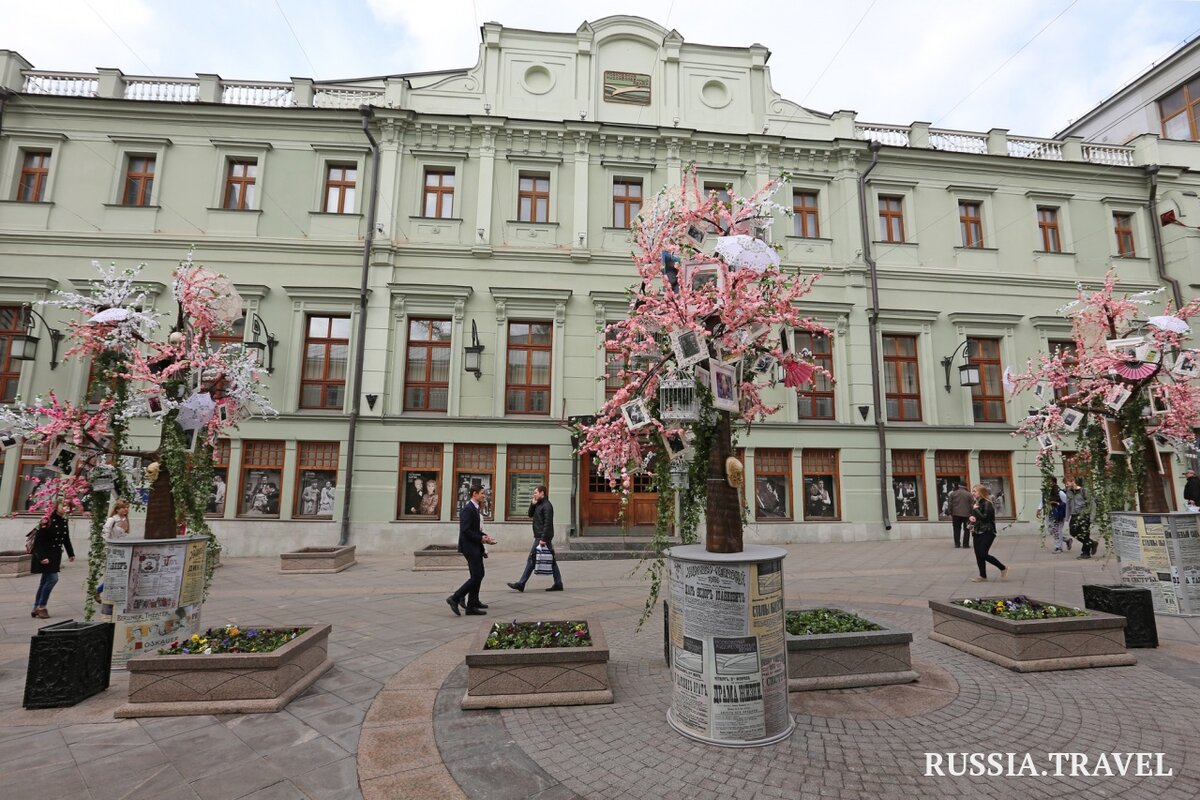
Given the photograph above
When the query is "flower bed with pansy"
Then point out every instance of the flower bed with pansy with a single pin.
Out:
(232, 639)
(1020, 607)
(817, 621)
(532, 635)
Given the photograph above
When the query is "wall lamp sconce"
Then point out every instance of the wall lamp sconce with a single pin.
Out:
(864, 411)
(24, 346)
(582, 238)
(371, 398)
(473, 354)
(479, 232)
(259, 328)
(968, 373)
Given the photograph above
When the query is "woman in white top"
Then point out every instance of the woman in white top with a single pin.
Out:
(117, 524)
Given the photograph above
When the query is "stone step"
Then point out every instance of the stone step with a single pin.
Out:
(601, 555)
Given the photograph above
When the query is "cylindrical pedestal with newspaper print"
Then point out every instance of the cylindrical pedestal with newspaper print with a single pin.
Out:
(728, 646)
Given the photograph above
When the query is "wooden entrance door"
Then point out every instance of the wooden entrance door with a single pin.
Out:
(601, 507)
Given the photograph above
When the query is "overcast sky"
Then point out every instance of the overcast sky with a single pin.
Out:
(1027, 65)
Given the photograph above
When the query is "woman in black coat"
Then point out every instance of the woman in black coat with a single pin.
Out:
(983, 518)
(48, 543)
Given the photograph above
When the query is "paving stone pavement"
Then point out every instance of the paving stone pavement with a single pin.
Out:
(385, 723)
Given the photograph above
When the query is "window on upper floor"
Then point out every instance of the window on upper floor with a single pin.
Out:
(326, 357)
(240, 175)
(627, 201)
(139, 181)
(987, 399)
(35, 168)
(1123, 228)
(12, 324)
(815, 401)
(527, 389)
(720, 187)
(970, 223)
(533, 197)
(901, 378)
(615, 362)
(437, 198)
(805, 221)
(891, 218)
(1180, 112)
(1048, 227)
(340, 182)
(427, 373)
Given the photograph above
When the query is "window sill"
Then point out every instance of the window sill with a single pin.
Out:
(962, 248)
(334, 214)
(773, 520)
(270, 517)
(435, 219)
(615, 229)
(1054, 252)
(822, 519)
(797, 237)
(418, 519)
(126, 205)
(531, 222)
(237, 210)
(894, 244)
(39, 203)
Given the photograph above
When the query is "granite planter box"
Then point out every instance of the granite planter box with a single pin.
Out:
(1134, 603)
(14, 563)
(848, 660)
(231, 683)
(438, 557)
(1033, 645)
(318, 560)
(549, 676)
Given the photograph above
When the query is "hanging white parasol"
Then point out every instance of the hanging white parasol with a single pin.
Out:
(746, 252)
(196, 411)
(1167, 322)
(110, 316)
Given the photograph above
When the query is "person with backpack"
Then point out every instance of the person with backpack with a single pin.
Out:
(1079, 517)
(1055, 505)
(49, 539)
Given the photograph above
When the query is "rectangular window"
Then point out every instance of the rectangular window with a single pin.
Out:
(772, 484)
(615, 361)
(474, 464)
(438, 197)
(891, 219)
(805, 222)
(528, 467)
(1168, 480)
(427, 372)
(340, 180)
(720, 187)
(33, 468)
(326, 355)
(816, 401)
(12, 323)
(234, 333)
(95, 391)
(1074, 467)
(908, 483)
(950, 470)
(1123, 228)
(527, 390)
(220, 480)
(1067, 348)
(901, 378)
(533, 197)
(1048, 226)
(987, 399)
(627, 201)
(316, 479)
(239, 183)
(420, 479)
(35, 168)
(820, 473)
(1180, 112)
(262, 477)
(139, 181)
(970, 222)
(995, 472)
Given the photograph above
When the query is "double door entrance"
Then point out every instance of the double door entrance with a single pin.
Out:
(600, 510)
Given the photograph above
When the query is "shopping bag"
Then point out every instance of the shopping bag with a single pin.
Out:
(543, 563)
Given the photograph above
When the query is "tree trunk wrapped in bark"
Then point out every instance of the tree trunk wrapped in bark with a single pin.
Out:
(1152, 498)
(723, 532)
(161, 522)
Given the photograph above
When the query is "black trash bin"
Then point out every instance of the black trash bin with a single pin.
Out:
(1134, 603)
(68, 662)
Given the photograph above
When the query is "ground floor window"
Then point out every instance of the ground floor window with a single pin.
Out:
(34, 470)
(772, 483)
(474, 464)
(950, 471)
(908, 483)
(528, 467)
(262, 477)
(995, 472)
(420, 481)
(820, 470)
(220, 479)
(316, 479)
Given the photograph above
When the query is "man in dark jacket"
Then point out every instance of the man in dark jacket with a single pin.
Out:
(471, 540)
(960, 511)
(542, 515)
(1191, 489)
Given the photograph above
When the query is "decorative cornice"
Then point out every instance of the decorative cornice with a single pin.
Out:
(15, 284)
(983, 318)
(255, 290)
(157, 141)
(322, 292)
(151, 288)
(908, 315)
(242, 144)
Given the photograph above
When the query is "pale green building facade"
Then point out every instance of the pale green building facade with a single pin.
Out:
(500, 220)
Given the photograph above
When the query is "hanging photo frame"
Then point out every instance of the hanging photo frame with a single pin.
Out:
(1112, 438)
(678, 444)
(702, 376)
(1187, 365)
(1149, 352)
(1125, 348)
(1071, 419)
(636, 414)
(724, 387)
(700, 276)
(762, 364)
(724, 355)
(1158, 404)
(8, 440)
(1046, 441)
(1043, 392)
(688, 348)
(1117, 397)
(64, 460)
(696, 234)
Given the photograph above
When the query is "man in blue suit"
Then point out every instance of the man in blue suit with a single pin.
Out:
(471, 540)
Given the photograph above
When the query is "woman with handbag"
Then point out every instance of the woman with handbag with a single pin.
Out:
(983, 519)
(52, 535)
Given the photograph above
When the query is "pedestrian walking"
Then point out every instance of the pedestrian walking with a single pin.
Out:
(471, 540)
(1079, 517)
(983, 517)
(117, 524)
(1054, 507)
(541, 514)
(52, 535)
(1191, 489)
(960, 510)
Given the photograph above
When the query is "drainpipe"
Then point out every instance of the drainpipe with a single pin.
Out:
(1156, 235)
(356, 400)
(873, 330)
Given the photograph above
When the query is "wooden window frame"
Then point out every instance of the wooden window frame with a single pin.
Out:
(254, 452)
(806, 216)
(533, 195)
(31, 455)
(615, 360)
(314, 457)
(529, 388)
(1190, 109)
(891, 361)
(1050, 229)
(990, 467)
(236, 335)
(1068, 346)
(979, 393)
(475, 460)
(429, 346)
(240, 189)
(949, 464)
(139, 183)
(1168, 478)
(910, 464)
(10, 368)
(774, 462)
(324, 381)
(891, 218)
(626, 204)
(422, 457)
(721, 188)
(1123, 229)
(823, 358)
(818, 462)
(220, 458)
(342, 185)
(517, 462)
(970, 223)
(35, 174)
(441, 193)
